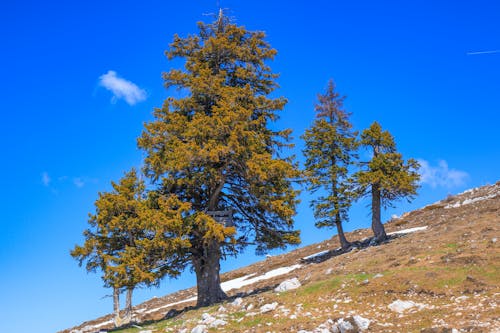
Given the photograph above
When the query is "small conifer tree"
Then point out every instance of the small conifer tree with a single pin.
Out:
(386, 177)
(330, 151)
(126, 242)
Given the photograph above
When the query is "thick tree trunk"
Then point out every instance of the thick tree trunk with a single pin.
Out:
(128, 305)
(207, 267)
(116, 306)
(344, 243)
(377, 227)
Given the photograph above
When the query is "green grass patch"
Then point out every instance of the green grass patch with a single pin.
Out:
(320, 287)
(452, 246)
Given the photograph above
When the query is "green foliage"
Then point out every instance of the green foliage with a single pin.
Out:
(128, 240)
(386, 171)
(330, 145)
(213, 148)
(386, 177)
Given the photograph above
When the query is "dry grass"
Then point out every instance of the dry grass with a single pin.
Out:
(457, 255)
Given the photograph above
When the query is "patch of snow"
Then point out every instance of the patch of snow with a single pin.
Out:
(315, 255)
(245, 280)
(102, 324)
(407, 231)
(473, 200)
(232, 284)
(168, 305)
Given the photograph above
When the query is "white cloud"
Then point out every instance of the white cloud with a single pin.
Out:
(78, 182)
(441, 175)
(45, 179)
(121, 88)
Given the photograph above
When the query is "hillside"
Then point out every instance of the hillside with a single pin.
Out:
(439, 272)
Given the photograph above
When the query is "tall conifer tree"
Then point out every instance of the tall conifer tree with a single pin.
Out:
(386, 177)
(330, 151)
(212, 147)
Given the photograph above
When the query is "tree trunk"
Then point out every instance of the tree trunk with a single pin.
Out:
(344, 243)
(116, 306)
(128, 305)
(377, 227)
(207, 266)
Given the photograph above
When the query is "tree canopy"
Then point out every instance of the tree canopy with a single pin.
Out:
(214, 148)
(128, 241)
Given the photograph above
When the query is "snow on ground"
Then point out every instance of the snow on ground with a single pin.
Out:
(244, 281)
(92, 328)
(473, 200)
(407, 231)
(167, 305)
(233, 284)
(319, 254)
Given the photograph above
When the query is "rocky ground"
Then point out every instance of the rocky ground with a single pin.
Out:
(439, 272)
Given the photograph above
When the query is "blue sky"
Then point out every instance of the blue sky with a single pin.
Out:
(78, 79)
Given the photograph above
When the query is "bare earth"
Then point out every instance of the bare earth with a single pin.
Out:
(449, 270)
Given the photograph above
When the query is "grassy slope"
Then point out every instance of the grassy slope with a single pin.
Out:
(457, 255)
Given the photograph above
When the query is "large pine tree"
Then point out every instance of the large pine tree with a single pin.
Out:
(212, 147)
(330, 150)
(386, 177)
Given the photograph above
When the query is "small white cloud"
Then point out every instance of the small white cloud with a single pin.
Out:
(45, 179)
(441, 175)
(78, 182)
(122, 88)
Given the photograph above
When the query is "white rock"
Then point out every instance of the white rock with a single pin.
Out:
(344, 326)
(200, 329)
(250, 307)
(237, 302)
(362, 323)
(268, 307)
(401, 306)
(378, 275)
(206, 318)
(461, 298)
(147, 331)
(288, 285)
(221, 309)
(329, 271)
(218, 322)
(183, 330)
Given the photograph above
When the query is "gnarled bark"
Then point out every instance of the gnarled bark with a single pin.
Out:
(207, 268)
